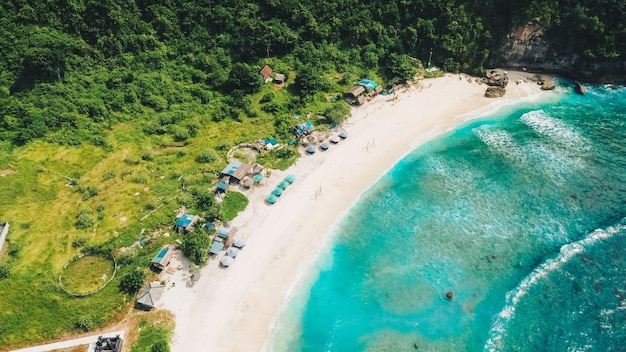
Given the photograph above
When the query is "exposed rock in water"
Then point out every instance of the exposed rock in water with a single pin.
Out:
(450, 295)
(579, 88)
(547, 86)
(495, 92)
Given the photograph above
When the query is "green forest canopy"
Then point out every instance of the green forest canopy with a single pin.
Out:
(71, 68)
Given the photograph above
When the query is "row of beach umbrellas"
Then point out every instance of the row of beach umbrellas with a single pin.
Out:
(325, 145)
(232, 252)
(282, 186)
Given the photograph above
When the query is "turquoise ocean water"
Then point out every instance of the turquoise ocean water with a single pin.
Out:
(521, 214)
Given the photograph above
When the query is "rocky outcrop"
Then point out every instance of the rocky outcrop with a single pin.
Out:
(495, 92)
(547, 86)
(497, 79)
(527, 48)
(579, 88)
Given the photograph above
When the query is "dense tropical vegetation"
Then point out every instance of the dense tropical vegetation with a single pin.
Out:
(115, 113)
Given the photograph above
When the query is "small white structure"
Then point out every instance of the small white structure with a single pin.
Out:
(4, 230)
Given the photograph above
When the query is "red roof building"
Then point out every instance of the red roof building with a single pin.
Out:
(266, 73)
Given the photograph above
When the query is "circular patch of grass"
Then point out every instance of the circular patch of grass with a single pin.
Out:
(87, 274)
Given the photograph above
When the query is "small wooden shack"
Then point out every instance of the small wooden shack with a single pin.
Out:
(235, 171)
(162, 259)
(279, 78)
(266, 73)
(354, 93)
(185, 223)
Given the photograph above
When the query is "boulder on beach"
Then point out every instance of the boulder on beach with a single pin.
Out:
(497, 79)
(495, 92)
(547, 86)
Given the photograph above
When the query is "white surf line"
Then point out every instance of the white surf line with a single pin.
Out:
(87, 340)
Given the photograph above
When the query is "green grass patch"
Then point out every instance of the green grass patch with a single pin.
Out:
(151, 334)
(279, 159)
(87, 274)
(233, 203)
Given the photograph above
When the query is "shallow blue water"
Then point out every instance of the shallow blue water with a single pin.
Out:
(519, 214)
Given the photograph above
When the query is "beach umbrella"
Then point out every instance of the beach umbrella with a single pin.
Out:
(257, 178)
(291, 178)
(239, 243)
(227, 261)
(343, 134)
(277, 191)
(324, 146)
(311, 149)
(232, 252)
(335, 139)
(283, 184)
(271, 199)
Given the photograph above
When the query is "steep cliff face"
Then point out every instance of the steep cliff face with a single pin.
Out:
(526, 46)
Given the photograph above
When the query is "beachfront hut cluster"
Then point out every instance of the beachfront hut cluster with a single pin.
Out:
(364, 90)
(237, 172)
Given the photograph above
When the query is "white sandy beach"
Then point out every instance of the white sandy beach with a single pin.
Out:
(232, 309)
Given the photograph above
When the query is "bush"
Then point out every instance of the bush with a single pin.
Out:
(14, 250)
(195, 246)
(89, 192)
(146, 155)
(271, 108)
(85, 323)
(131, 160)
(126, 258)
(79, 242)
(338, 112)
(160, 346)
(267, 98)
(133, 281)
(110, 174)
(84, 219)
(180, 133)
(208, 155)
(5, 271)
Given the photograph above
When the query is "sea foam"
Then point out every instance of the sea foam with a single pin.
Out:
(566, 253)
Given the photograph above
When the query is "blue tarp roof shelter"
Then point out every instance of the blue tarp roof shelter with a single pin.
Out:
(157, 258)
(222, 186)
(216, 247)
(232, 167)
(304, 128)
(271, 141)
(162, 259)
(209, 226)
(185, 220)
(368, 84)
